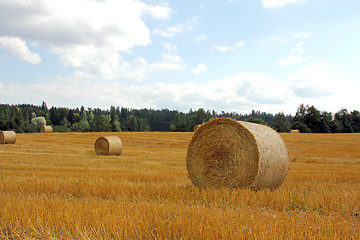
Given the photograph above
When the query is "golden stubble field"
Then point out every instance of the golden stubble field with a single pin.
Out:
(53, 186)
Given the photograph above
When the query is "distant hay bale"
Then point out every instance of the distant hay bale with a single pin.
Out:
(46, 129)
(295, 131)
(228, 153)
(196, 127)
(7, 137)
(108, 146)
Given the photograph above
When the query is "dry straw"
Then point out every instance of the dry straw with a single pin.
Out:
(228, 153)
(196, 127)
(295, 131)
(7, 137)
(108, 146)
(46, 129)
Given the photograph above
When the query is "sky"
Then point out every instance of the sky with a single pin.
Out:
(223, 55)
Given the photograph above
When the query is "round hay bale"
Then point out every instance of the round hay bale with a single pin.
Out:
(108, 146)
(196, 127)
(46, 129)
(7, 137)
(234, 154)
(295, 131)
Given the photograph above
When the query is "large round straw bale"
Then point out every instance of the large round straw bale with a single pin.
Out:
(228, 153)
(46, 129)
(108, 146)
(7, 137)
(295, 131)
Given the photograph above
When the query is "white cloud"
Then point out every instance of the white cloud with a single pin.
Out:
(19, 47)
(169, 32)
(169, 62)
(86, 34)
(224, 48)
(290, 60)
(296, 56)
(241, 92)
(317, 84)
(172, 58)
(200, 38)
(302, 34)
(315, 80)
(221, 48)
(199, 68)
(279, 40)
(158, 11)
(320, 84)
(173, 30)
(239, 44)
(298, 48)
(279, 3)
(169, 47)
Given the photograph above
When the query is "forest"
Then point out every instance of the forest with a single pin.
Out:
(27, 118)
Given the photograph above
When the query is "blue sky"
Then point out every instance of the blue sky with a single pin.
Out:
(229, 55)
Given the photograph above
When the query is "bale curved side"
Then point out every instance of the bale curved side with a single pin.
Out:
(7, 137)
(295, 131)
(111, 145)
(228, 153)
(196, 127)
(274, 157)
(46, 129)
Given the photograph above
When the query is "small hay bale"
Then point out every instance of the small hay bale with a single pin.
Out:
(295, 131)
(196, 127)
(234, 154)
(46, 129)
(108, 146)
(7, 137)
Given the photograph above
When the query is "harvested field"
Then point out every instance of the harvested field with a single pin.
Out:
(54, 186)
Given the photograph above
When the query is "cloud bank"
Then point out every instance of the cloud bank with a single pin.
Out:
(89, 35)
(20, 49)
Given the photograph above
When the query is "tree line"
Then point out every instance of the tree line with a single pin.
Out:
(27, 118)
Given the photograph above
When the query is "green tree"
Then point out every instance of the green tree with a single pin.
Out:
(313, 119)
(132, 124)
(38, 122)
(57, 115)
(144, 125)
(256, 120)
(199, 117)
(101, 123)
(179, 123)
(44, 111)
(326, 122)
(81, 126)
(300, 119)
(91, 121)
(4, 117)
(355, 120)
(280, 123)
(114, 120)
(344, 118)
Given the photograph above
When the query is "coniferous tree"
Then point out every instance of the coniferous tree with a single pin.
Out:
(114, 120)
(280, 123)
